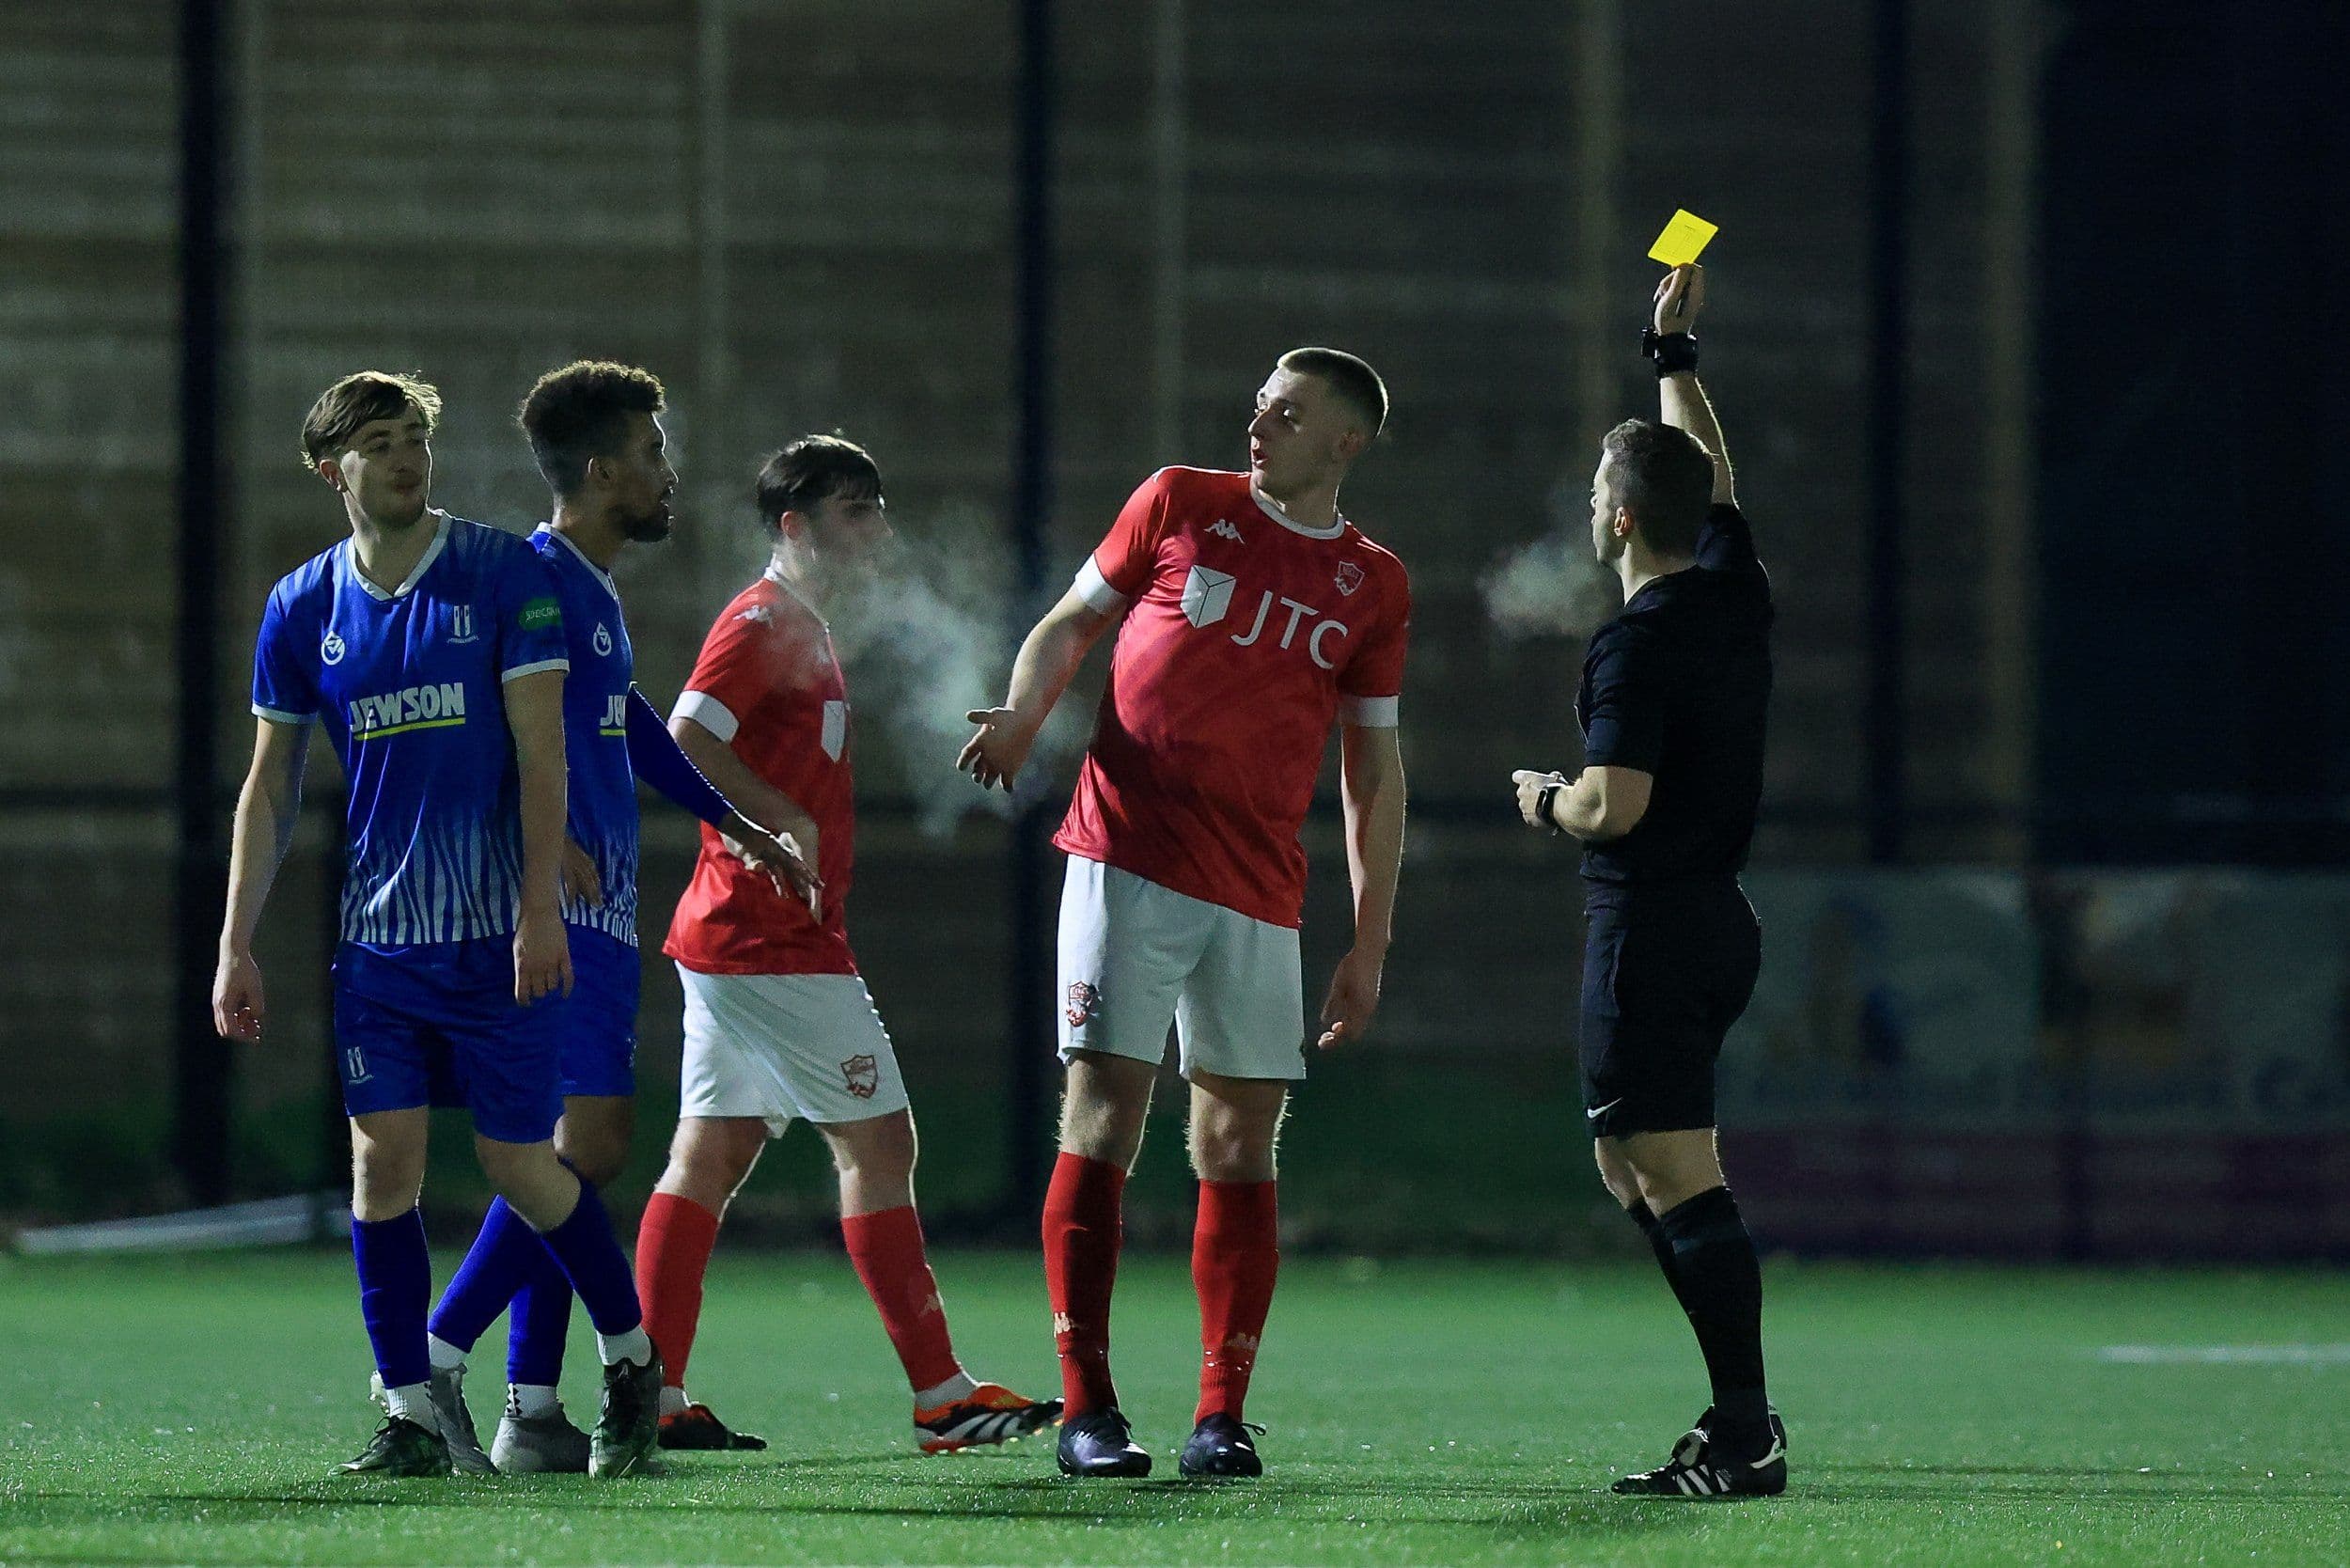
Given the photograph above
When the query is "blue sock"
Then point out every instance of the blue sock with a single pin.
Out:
(594, 1262)
(495, 1266)
(395, 1286)
(542, 1322)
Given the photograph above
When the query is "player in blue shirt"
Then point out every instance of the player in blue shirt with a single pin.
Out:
(432, 652)
(595, 431)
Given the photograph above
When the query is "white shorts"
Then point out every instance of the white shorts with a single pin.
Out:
(1135, 955)
(781, 1046)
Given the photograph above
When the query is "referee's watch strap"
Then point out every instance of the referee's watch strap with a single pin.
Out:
(1544, 800)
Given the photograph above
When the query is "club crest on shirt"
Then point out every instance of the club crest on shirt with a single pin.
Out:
(332, 648)
(461, 626)
(1084, 1003)
(1350, 576)
(603, 640)
(861, 1075)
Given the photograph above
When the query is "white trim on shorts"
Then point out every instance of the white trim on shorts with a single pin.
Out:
(784, 1047)
(1135, 956)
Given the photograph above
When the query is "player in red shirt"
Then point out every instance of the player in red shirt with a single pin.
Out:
(778, 1024)
(1254, 616)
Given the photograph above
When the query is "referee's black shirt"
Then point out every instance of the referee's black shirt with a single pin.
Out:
(1676, 686)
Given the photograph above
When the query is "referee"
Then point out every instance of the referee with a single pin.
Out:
(1671, 706)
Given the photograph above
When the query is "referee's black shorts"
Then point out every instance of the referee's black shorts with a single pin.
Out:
(1666, 969)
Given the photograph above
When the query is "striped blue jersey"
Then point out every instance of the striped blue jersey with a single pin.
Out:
(595, 733)
(409, 685)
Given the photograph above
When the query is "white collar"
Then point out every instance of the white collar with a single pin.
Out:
(1271, 508)
(416, 574)
(602, 576)
(797, 597)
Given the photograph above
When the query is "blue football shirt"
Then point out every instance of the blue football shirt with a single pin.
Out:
(409, 685)
(595, 733)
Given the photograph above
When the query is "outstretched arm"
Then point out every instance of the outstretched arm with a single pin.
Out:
(660, 761)
(1048, 662)
(1679, 298)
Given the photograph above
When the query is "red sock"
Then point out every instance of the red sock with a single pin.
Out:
(1235, 1252)
(673, 1243)
(887, 1248)
(1081, 1235)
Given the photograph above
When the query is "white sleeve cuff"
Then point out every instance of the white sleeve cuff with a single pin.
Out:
(1095, 589)
(540, 666)
(1372, 712)
(279, 716)
(707, 711)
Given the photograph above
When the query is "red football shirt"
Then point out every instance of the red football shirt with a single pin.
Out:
(769, 684)
(1248, 635)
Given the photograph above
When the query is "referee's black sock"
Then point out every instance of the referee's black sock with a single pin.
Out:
(1720, 1284)
(1660, 1244)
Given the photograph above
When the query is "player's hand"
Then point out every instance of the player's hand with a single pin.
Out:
(236, 998)
(542, 957)
(779, 855)
(1530, 786)
(1353, 997)
(1680, 295)
(580, 880)
(996, 754)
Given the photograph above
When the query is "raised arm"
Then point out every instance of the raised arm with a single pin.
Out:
(266, 809)
(1679, 298)
(1048, 660)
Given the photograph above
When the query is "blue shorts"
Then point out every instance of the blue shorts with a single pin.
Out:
(600, 1026)
(436, 1023)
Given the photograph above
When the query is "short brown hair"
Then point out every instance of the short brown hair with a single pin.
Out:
(1356, 383)
(580, 413)
(361, 399)
(1665, 478)
(812, 469)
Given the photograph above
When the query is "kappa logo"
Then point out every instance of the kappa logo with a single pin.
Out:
(603, 640)
(861, 1075)
(461, 630)
(1349, 577)
(1084, 1004)
(332, 647)
(1225, 530)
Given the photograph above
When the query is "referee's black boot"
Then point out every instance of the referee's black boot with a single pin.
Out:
(1099, 1443)
(1221, 1446)
(1699, 1467)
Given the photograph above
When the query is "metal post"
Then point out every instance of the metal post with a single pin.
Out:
(1886, 423)
(1029, 1017)
(200, 1103)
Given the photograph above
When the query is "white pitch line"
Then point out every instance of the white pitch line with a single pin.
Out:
(2226, 1355)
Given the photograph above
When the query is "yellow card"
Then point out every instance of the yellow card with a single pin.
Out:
(1683, 239)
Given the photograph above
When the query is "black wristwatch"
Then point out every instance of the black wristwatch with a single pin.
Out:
(1542, 799)
(1674, 351)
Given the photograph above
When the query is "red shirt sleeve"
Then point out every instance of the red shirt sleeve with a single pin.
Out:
(740, 659)
(1127, 558)
(1376, 668)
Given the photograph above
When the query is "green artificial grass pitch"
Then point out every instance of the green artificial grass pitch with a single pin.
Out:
(191, 1410)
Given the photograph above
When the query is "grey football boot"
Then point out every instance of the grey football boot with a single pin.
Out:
(537, 1445)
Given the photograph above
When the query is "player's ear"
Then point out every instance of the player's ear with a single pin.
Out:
(1353, 442)
(331, 472)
